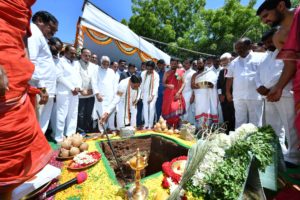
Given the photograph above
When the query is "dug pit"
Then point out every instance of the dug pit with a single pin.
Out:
(156, 148)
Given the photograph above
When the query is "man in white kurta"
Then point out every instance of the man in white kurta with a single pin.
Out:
(204, 83)
(149, 92)
(104, 85)
(68, 87)
(44, 75)
(241, 77)
(125, 101)
(187, 90)
(281, 114)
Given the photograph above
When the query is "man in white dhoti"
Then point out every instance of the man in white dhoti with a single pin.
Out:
(104, 85)
(206, 100)
(281, 114)
(187, 90)
(149, 92)
(44, 76)
(241, 77)
(68, 87)
(125, 100)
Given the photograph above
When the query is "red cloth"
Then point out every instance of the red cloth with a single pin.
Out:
(288, 194)
(291, 51)
(23, 148)
(172, 109)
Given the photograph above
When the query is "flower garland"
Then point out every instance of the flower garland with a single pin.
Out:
(169, 172)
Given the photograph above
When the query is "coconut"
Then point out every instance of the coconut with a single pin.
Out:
(64, 153)
(84, 147)
(66, 144)
(76, 142)
(74, 151)
(158, 125)
(164, 126)
(161, 120)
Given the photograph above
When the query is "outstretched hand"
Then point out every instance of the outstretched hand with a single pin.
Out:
(103, 119)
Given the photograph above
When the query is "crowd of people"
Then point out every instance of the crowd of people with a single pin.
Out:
(81, 92)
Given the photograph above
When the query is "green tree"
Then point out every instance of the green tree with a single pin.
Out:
(295, 3)
(188, 24)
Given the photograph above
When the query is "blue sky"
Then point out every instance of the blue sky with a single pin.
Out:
(68, 11)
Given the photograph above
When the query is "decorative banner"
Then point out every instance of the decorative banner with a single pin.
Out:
(97, 37)
(125, 48)
(145, 57)
(102, 39)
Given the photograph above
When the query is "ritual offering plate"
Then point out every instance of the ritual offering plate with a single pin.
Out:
(71, 146)
(64, 158)
(84, 160)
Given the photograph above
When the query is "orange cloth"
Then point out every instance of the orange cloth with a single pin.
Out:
(291, 51)
(172, 109)
(23, 148)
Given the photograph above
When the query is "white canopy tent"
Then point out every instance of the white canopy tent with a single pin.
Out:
(104, 35)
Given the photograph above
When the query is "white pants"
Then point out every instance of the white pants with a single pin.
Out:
(187, 97)
(149, 111)
(67, 113)
(45, 114)
(281, 115)
(121, 115)
(248, 111)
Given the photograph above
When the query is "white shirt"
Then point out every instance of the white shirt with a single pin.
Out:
(146, 81)
(188, 79)
(68, 76)
(44, 74)
(121, 95)
(105, 83)
(87, 71)
(217, 71)
(243, 72)
(269, 72)
(117, 76)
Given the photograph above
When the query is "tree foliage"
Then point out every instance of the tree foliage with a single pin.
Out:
(295, 3)
(188, 24)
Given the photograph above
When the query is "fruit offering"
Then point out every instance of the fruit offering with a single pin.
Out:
(161, 126)
(72, 146)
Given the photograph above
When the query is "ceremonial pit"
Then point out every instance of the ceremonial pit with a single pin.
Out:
(158, 149)
(105, 183)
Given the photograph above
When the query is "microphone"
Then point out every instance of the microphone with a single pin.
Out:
(80, 178)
